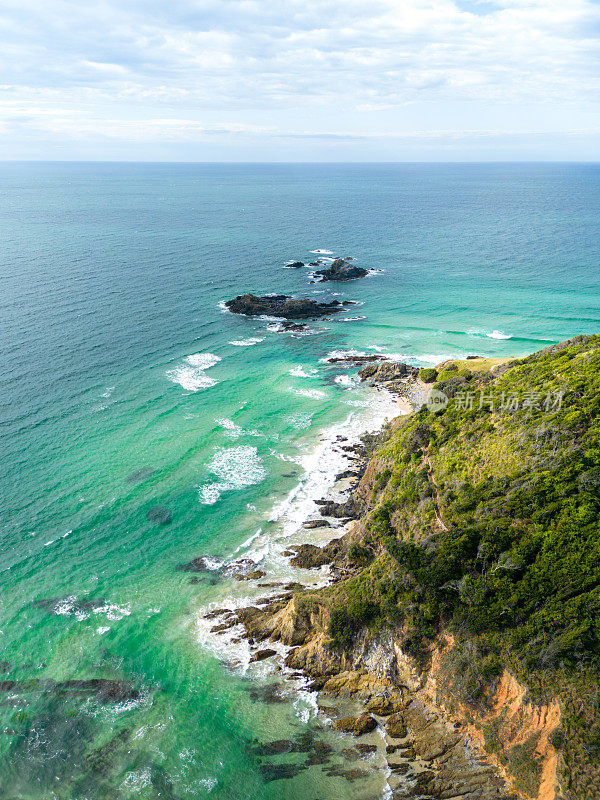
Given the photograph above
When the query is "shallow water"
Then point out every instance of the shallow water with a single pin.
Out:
(125, 386)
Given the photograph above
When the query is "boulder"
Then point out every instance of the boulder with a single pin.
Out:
(159, 515)
(382, 706)
(357, 726)
(395, 726)
(295, 265)
(262, 654)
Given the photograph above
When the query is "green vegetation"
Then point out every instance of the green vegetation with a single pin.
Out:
(428, 375)
(488, 525)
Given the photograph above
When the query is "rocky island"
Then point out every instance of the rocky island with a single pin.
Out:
(341, 270)
(283, 306)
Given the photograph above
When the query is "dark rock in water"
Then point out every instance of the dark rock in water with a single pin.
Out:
(139, 475)
(199, 564)
(277, 772)
(162, 783)
(317, 523)
(353, 360)
(317, 684)
(341, 270)
(102, 760)
(159, 515)
(268, 694)
(469, 358)
(69, 606)
(357, 726)
(262, 654)
(350, 774)
(102, 689)
(272, 748)
(281, 305)
(295, 265)
(366, 749)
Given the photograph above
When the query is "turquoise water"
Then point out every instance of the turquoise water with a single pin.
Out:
(110, 331)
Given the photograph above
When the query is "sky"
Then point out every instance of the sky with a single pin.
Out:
(297, 80)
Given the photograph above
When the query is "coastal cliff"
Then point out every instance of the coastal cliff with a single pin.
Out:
(463, 607)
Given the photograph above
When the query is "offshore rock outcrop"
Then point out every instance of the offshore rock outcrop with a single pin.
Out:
(284, 306)
(341, 270)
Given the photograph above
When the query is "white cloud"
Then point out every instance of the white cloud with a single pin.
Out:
(146, 68)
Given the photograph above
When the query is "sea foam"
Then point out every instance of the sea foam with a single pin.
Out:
(191, 375)
(236, 467)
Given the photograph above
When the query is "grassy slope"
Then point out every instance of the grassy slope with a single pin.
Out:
(486, 522)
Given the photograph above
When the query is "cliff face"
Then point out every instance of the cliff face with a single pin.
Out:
(467, 591)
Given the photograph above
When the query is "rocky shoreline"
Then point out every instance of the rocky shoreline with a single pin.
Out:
(426, 751)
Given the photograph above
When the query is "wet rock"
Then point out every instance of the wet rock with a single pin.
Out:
(251, 576)
(268, 694)
(293, 586)
(278, 772)
(273, 748)
(199, 564)
(159, 515)
(317, 523)
(295, 265)
(281, 305)
(223, 627)
(318, 683)
(401, 768)
(352, 360)
(357, 726)
(351, 509)
(69, 606)
(341, 270)
(139, 475)
(348, 774)
(309, 556)
(322, 747)
(351, 753)
(330, 711)
(395, 726)
(382, 706)
(262, 654)
(366, 749)
(102, 689)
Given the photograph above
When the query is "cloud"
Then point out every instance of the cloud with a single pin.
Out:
(140, 69)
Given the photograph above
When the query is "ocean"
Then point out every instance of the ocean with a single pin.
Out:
(125, 386)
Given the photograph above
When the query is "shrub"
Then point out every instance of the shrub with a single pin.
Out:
(428, 375)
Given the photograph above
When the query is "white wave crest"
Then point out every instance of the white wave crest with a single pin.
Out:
(323, 252)
(300, 372)
(234, 430)
(237, 467)
(191, 375)
(247, 342)
(312, 394)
